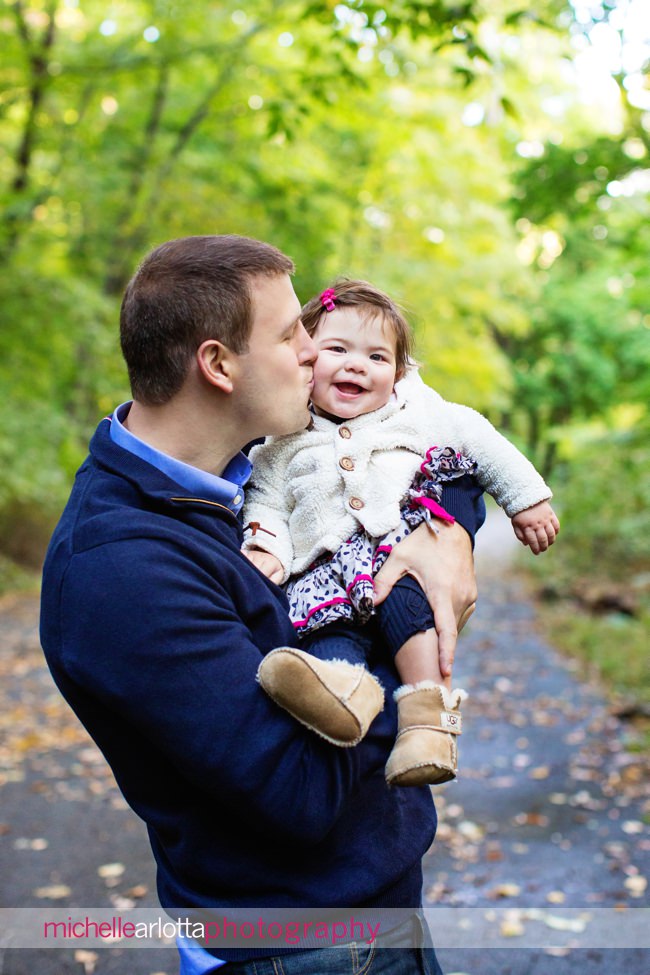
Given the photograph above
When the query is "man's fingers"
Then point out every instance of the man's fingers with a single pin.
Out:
(446, 650)
(447, 631)
(465, 616)
(386, 578)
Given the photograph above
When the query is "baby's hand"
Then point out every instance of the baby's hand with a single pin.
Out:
(266, 563)
(536, 527)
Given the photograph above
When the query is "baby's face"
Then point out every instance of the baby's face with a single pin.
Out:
(356, 365)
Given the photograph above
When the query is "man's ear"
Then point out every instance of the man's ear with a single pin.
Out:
(215, 362)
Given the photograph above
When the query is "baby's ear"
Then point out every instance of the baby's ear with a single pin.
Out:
(399, 375)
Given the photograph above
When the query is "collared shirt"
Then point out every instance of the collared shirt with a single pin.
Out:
(226, 490)
(195, 960)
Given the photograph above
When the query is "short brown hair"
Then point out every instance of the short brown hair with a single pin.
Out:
(185, 292)
(361, 294)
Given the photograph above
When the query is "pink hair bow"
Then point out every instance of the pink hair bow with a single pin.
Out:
(327, 299)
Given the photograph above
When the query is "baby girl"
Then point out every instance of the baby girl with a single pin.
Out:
(327, 504)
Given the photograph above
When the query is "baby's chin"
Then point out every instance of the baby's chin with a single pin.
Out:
(327, 415)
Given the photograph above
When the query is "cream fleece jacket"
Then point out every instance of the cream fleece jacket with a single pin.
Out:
(315, 488)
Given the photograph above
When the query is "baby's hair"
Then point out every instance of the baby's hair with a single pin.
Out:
(345, 293)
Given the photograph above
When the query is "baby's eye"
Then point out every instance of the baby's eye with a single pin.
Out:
(378, 357)
(335, 348)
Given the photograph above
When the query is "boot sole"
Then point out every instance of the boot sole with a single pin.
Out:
(292, 683)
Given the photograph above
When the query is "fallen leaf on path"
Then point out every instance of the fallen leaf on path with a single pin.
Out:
(88, 959)
(505, 890)
(140, 890)
(511, 928)
(531, 819)
(111, 871)
(632, 827)
(471, 831)
(636, 886)
(22, 843)
(53, 891)
(555, 897)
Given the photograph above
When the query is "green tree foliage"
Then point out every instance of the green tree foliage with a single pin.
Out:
(362, 139)
(588, 350)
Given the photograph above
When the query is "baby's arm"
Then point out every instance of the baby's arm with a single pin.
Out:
(266, 513)
(536, 526)
(501, 469)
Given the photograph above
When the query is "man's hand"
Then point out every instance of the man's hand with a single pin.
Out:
(266, 563)
(444, 567)
(536, 527)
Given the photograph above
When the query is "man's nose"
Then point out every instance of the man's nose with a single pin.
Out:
(308, 351)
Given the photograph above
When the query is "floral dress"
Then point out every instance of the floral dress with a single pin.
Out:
(340, 586)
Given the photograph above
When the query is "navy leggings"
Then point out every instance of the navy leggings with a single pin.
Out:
(403, 613)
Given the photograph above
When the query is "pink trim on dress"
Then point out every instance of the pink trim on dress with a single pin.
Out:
(356, 579)
(427, 458)
(330, 602)
(379, 550)
(435, 508)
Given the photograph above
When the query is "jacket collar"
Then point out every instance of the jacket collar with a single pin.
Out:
(148, 479)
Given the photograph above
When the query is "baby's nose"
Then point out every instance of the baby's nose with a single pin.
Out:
(355, 363)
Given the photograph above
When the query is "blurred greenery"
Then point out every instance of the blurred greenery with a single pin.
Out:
(598, 597)
(453, 152)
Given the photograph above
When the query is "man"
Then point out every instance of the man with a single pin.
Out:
(154, 623)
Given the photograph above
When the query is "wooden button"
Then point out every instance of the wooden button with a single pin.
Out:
(356, 503)
(346, 463)
(345, 432)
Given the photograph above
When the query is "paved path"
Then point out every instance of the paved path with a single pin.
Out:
(550, 811)
(551, 808)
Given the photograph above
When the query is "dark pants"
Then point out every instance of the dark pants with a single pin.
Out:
(407, 950)
(403, 613)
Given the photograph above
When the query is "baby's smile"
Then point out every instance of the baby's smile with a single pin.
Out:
(349, 389)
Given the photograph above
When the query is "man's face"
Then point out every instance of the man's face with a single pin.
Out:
(276, 374)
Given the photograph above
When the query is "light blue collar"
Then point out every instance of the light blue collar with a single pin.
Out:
(195, 960)
(226, 490)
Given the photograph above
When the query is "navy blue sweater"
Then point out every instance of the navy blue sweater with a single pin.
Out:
(154, 624)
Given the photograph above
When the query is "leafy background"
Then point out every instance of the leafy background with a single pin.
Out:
(484, 162)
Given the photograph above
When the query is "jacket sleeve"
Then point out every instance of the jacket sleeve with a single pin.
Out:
(184, 680)
(269, 503)
(502, 470)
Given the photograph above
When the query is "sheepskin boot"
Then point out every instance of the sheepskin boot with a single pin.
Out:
(336, 699)
(428, 722)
